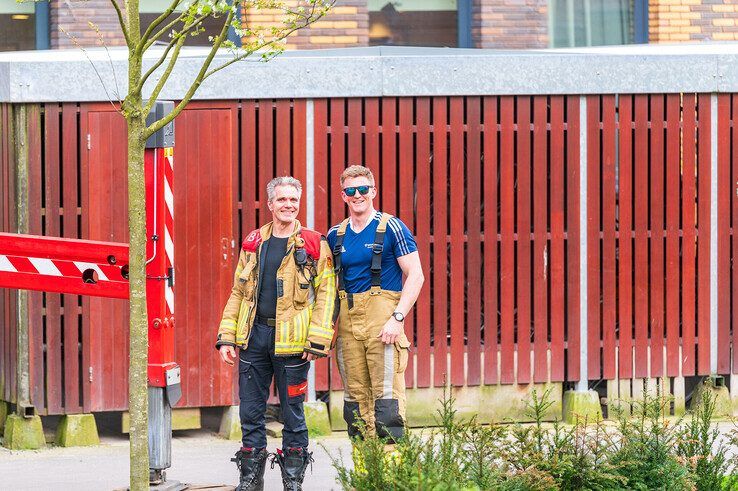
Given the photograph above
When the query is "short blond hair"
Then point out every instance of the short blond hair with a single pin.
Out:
(357, 171)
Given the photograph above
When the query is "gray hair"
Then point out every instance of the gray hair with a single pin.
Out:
(282, 181)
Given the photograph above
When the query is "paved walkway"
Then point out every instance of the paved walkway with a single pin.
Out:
(199, 457)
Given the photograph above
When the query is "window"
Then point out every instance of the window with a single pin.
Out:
(413, 22)
(17, 26)
(151, 9)
(591, 22)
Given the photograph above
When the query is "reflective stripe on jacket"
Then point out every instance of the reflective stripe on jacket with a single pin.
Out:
(304, 318)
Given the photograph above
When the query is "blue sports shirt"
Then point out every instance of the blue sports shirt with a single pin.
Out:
(356, 257)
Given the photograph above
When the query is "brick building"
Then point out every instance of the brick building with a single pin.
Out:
(507, 24)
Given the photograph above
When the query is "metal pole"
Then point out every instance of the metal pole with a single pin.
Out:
(583, 384)
(310, 203)
(160, 435)
(464, 24)
(41, 19)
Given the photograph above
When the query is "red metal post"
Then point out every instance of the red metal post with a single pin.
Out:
(158, 165)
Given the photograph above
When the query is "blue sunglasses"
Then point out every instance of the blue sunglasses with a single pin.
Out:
(351, 190)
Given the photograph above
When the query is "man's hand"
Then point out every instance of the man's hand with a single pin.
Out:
(391, 331)
(309, 356)
(228, 354)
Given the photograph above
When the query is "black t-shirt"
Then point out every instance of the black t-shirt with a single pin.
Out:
(266, 304)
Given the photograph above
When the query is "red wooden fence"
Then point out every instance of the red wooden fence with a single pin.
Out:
(489, 185)
(460, 172)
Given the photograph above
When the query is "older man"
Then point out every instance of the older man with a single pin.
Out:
(279, 316)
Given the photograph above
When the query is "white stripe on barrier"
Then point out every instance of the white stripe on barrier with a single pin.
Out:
(168, 197)
(85, 266)
(169, 246)
(5, 265)
(169, 297)
(45, 266)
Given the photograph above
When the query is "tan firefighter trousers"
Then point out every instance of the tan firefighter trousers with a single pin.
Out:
(373, 373)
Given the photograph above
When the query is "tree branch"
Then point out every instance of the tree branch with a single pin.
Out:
(122, 23)
(163, 31)
(157, 125)
(309, 19)
(164, 76)
(143, 44)
(182, 34)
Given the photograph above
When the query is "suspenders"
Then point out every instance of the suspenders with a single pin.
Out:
(376, 266)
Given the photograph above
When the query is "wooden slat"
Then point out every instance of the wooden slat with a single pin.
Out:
(609, 277)
(689, 239)
(657, 235)
(52, 220)
(406, 194)
(734, 224)
(507, 245)
(282, 145)
(703, 241)
(87, 333)
(625, 241)
(558, 306)
(337, 158)
(266, 156)
(456, 212)
(440, 232)
(474, 240)
(572, 240)
(540, 243)
(70, 230)
(354, 117)
(641, 236)
(423, 236)
(388, 168)
(35, 299)
(371, 137)
(490, 268)
(672, 163)
(299, 149)
(248, 168)
(725, 192)
(523, 203)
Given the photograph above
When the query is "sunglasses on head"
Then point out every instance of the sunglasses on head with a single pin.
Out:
(351, 190)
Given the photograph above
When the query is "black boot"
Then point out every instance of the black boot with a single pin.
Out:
(251, 464)
(293, 463)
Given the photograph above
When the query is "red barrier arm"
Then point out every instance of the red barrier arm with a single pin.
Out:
(51, 264)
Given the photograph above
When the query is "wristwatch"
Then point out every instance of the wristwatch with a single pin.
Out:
(399, 316)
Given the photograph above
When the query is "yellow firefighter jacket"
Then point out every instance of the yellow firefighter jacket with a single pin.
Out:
(305, 298)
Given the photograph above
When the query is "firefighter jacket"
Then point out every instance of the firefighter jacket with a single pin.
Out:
(306, 294)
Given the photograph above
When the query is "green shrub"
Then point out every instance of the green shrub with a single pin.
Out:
(644, 449)
(641, 452)
(702, 451)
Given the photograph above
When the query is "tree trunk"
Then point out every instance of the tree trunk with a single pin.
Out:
(139, 343)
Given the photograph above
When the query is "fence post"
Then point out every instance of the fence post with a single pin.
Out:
(310, 202)
(23, 430)
(713, 234)
(582, 402)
